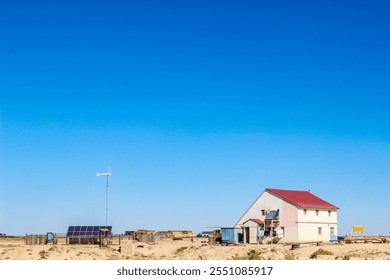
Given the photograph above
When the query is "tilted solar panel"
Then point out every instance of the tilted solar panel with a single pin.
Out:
(272, 215)
(86, 231)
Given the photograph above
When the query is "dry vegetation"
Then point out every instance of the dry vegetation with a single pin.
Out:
(320, 252)
(252, 254)
(167, 249)
(289, 255)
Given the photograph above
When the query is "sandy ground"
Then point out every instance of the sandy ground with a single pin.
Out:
(167, 249)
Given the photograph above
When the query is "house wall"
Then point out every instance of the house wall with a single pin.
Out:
(309, 223)
(288, 216)
(309, 232)
(265, 201)
(311, 216)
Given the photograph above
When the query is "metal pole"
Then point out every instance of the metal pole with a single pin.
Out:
(106, 200)
(106, 174)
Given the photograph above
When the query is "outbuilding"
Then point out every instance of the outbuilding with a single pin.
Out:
(230, 235)
(251, 230)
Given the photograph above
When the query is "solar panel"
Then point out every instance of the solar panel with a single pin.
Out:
(86, 231)
(272, 215)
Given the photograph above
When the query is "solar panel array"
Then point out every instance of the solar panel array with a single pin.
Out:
(86, 231)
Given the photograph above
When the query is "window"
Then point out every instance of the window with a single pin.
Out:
(304, 211)
(263, 212)
(317, 212)
(332, 231)
(319, 230)
(329, 213)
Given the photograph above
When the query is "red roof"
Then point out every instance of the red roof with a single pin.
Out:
(260, 222)
(303, 199)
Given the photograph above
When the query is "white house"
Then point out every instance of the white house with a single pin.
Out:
(294, 216)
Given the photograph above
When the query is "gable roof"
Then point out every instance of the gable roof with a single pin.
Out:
(303, 199)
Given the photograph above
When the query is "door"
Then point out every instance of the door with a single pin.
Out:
(246, 235)
(253, 235)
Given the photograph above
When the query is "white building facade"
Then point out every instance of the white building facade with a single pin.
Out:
(293, 216)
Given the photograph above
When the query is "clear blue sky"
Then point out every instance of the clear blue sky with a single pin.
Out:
(197, 106)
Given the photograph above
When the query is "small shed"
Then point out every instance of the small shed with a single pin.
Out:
(251, 230)
(231, 235)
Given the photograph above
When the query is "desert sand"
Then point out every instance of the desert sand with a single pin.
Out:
(168, 249)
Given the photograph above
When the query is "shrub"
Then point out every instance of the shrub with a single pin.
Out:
(254, 255)
(346, 257)
(320, 252)
(180, 250)
(288, 255)
(52, 248)
(43, 254)
(250, 255)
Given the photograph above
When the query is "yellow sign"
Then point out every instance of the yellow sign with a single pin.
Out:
(358, 229)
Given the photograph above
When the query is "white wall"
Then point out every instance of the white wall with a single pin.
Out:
(311, 216)
(265, 201)
(309, 232)
(309, 223)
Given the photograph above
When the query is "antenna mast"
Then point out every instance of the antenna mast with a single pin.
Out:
(105, 174)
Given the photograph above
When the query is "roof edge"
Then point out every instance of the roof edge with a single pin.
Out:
(269, 190)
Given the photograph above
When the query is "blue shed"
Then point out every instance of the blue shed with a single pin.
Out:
(231, 235)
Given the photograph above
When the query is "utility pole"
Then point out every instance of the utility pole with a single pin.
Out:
(105, 174)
